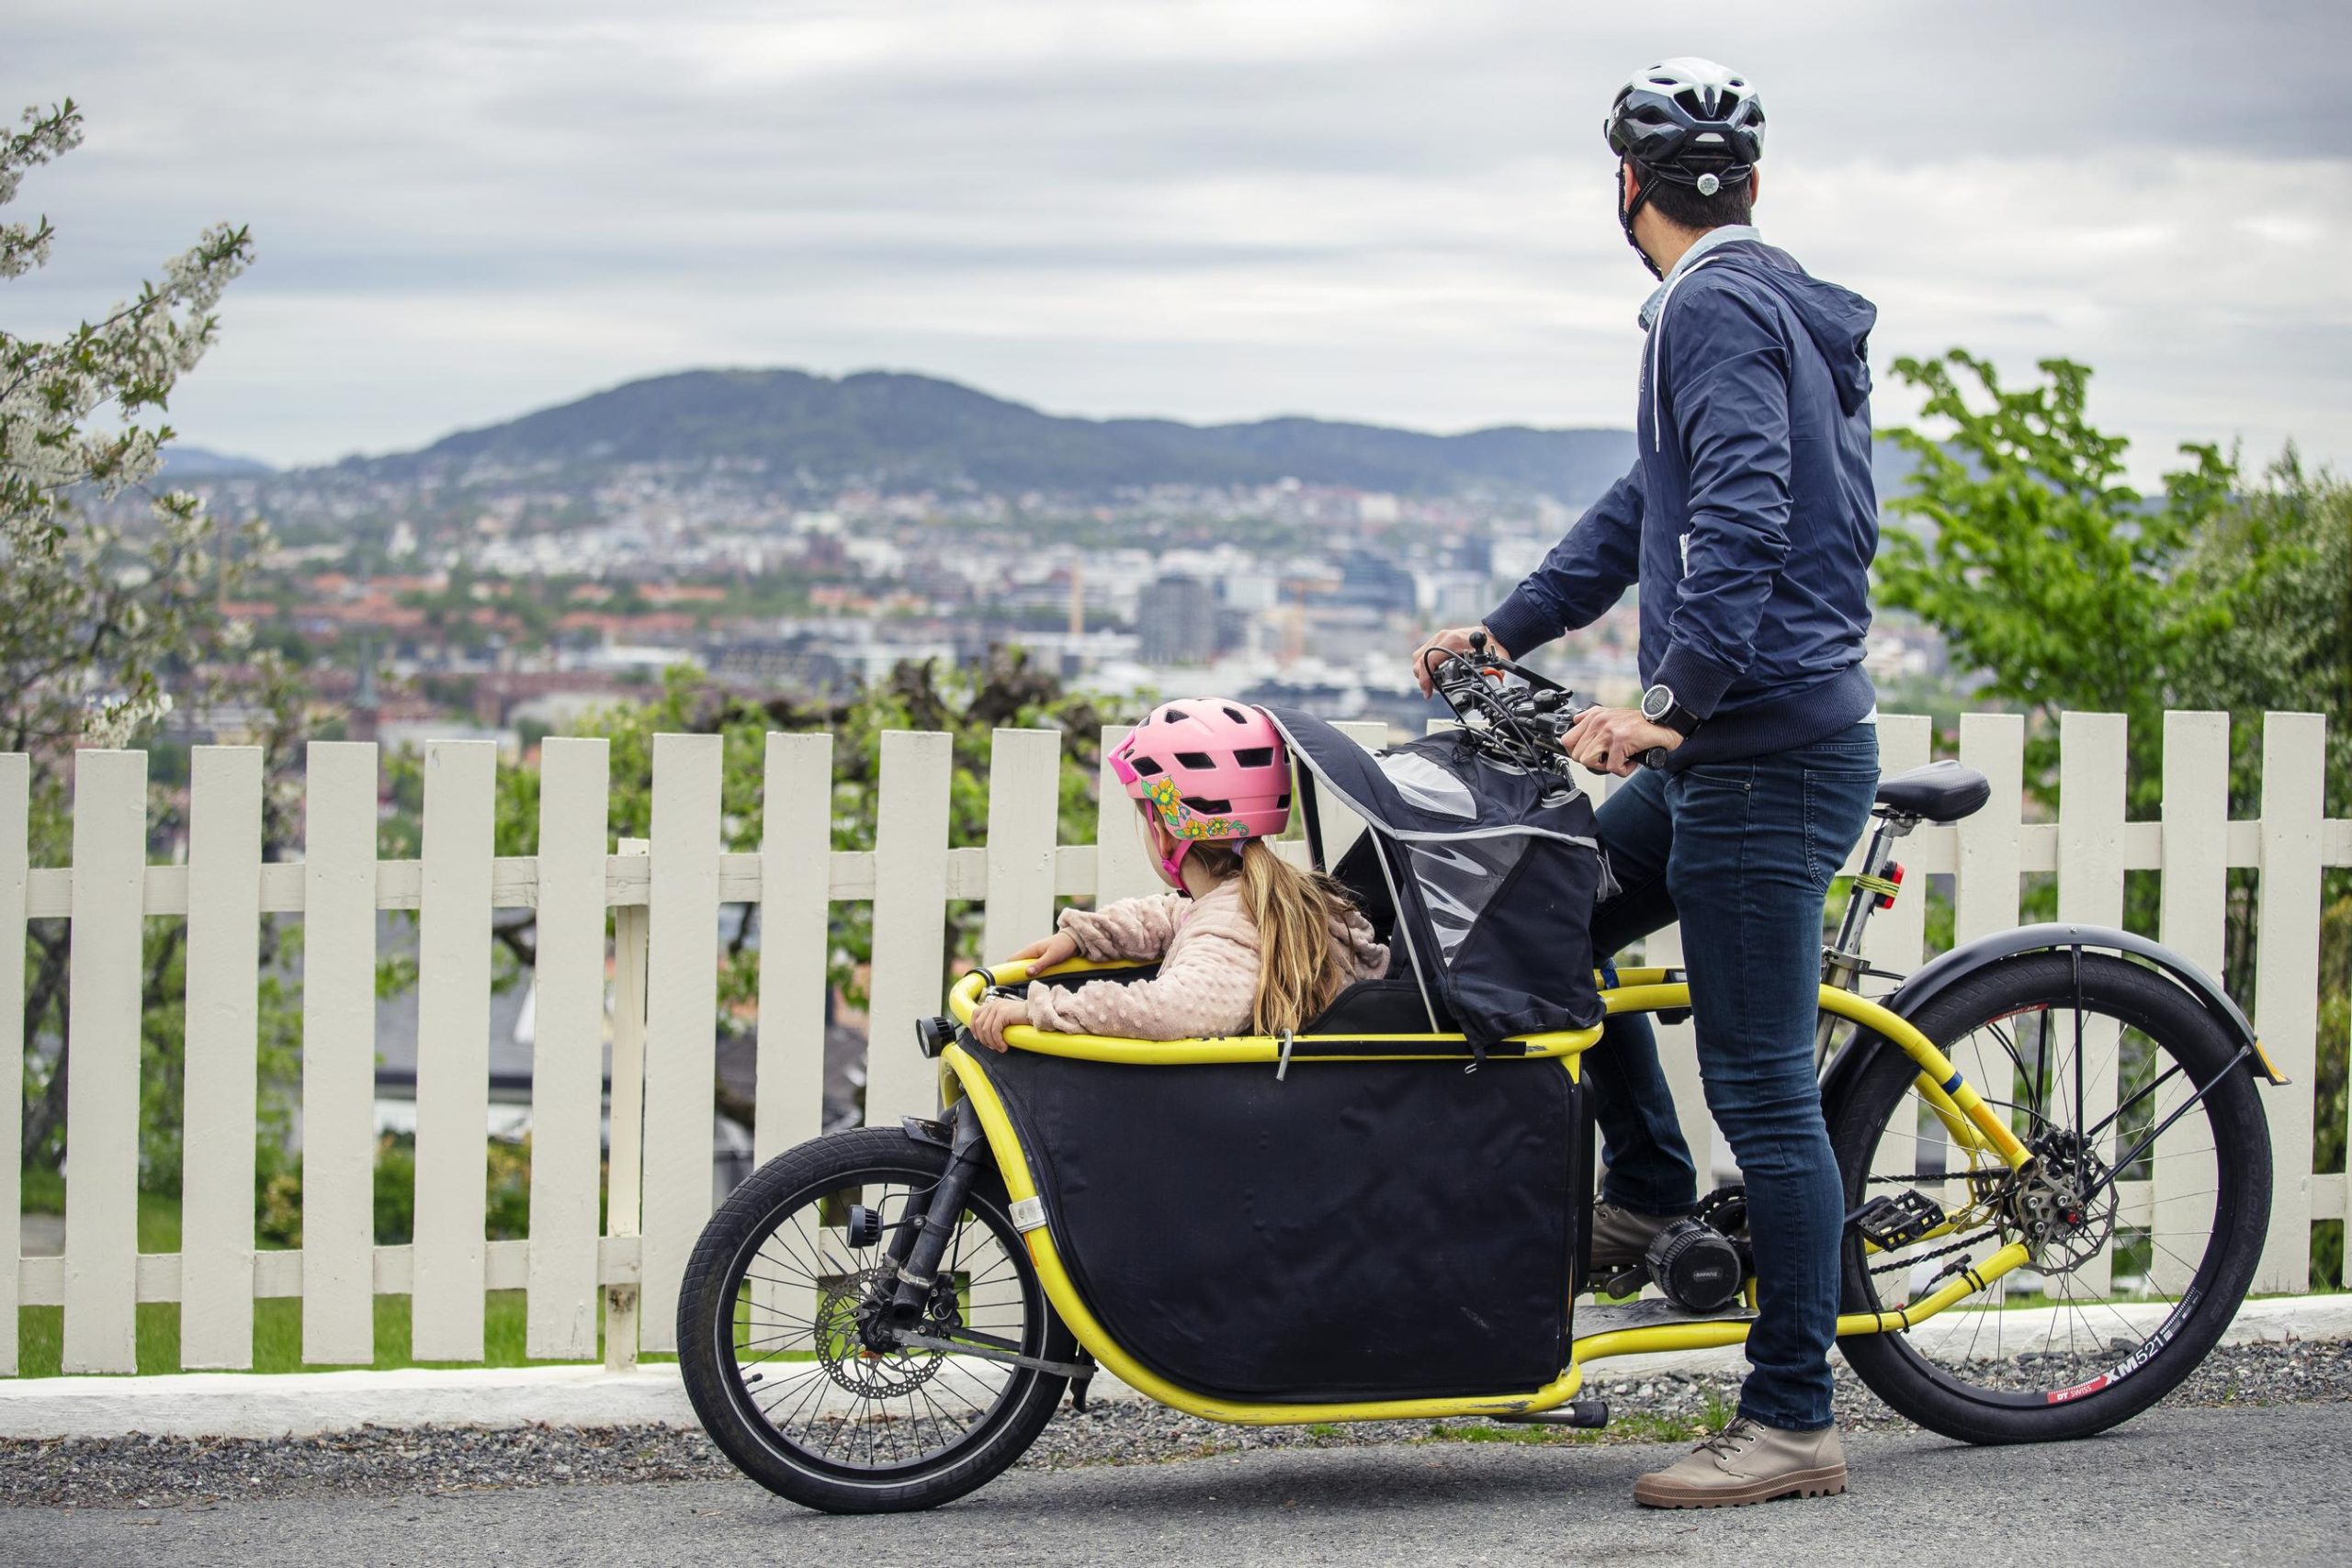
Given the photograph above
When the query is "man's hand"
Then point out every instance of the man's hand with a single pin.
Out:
(1047, 951)
(1456, 640)
(1607, 740)
(995, 1015)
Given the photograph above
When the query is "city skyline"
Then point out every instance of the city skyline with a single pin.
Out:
(1348, 209)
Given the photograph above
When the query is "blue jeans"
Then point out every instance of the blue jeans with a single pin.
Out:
(1742, 853)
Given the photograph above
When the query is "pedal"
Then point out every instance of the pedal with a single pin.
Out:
(1621, 1282)
(1887, 1223)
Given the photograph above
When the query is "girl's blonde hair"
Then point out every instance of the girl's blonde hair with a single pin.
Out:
(1294, 911)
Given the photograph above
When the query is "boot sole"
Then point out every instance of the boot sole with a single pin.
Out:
(1651, 1492)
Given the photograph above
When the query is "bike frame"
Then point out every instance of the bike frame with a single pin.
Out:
(1971, 1124)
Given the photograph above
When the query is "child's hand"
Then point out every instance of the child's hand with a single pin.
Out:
(995, 1016)
(1046, 952)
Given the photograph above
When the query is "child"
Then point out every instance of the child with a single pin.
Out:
(1248, 944)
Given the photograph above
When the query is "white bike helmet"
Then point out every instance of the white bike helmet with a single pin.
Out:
(1687, 121)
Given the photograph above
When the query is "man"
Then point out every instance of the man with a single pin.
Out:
(1748, 521)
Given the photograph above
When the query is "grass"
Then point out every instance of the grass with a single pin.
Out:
(277, 1320)
(277, 1337)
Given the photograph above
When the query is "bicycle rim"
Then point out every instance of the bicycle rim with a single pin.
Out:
(797, 1369)
(2128, 1230)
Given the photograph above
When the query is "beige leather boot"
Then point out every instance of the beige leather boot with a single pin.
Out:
(1620, 1237)
(1748, 1462)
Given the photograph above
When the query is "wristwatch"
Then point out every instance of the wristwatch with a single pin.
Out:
(1659, 707)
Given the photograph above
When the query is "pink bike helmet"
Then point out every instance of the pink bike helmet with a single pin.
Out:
(1211, 769)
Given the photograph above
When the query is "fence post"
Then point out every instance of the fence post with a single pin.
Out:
(567, 1049)
(1122, 869)
(1024, 824)
(2285, 979)
(1987, 848)
(15, 809)
(2193, 893)
(102, 1095)
(796, 922)
(339, 1054)
(910, 922)
(2093, 752)
(795, 942)
(223, 1016)
(453, 1051)
(627, 1119)
(681, 1024)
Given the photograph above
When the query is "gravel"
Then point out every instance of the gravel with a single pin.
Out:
(151, 1473)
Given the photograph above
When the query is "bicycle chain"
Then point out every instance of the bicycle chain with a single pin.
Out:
(1919, 1257)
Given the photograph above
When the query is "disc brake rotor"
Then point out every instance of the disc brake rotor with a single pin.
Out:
(870, 1375)
(2064, 1212)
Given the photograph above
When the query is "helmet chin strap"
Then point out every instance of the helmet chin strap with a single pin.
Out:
(1171, 867)
(1626, 210)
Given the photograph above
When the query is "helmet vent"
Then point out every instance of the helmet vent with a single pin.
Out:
(1255, 757)
(1236, 716)
(1194, 759)
(1148, 766)
(1283, 804)
(1209, 805)
(1688, 100)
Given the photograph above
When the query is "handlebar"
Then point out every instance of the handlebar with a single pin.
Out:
(1521, 725)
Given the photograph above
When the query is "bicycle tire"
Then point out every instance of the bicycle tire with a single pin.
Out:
(707, 1307)
(2174, 1022)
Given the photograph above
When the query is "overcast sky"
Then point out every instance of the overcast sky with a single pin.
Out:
(1353, 209)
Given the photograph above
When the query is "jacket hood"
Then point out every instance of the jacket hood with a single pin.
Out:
(1839, 320)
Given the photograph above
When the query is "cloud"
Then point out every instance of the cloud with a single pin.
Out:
(1352, 207)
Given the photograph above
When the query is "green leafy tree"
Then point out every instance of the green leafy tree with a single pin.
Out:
(2067, 588)
(2040, 566)
(2278, 566)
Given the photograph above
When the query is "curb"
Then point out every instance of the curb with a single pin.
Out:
(280, 1405)
(277, 1405)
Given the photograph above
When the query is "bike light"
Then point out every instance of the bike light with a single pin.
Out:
(1894, 879)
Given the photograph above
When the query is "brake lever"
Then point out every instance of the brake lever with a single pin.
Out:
(1572, 706)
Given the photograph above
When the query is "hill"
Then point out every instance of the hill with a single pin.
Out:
(905, 432)
(184, 462)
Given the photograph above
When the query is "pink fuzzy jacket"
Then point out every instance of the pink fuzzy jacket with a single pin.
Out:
(1207, 950)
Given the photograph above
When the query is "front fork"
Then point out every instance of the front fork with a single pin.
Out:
(916, 1250)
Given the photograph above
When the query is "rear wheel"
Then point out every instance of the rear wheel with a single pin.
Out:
(2144, 1225)
(773, 1346)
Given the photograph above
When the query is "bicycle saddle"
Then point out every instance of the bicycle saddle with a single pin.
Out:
(1941, 792)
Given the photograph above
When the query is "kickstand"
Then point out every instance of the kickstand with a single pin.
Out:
(1079, 1384)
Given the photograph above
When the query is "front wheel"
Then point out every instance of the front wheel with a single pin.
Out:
(773, 1353)
(2145, 1222)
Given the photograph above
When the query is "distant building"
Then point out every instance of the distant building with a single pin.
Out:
(1176, 621)
(1375, 582)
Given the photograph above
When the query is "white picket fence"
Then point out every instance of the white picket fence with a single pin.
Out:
(666, 897)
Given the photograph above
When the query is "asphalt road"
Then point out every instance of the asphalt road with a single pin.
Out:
(2247, 1485)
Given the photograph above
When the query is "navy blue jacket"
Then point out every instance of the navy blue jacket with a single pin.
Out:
(1749, 513)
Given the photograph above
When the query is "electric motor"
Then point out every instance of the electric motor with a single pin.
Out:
(1697, 1265)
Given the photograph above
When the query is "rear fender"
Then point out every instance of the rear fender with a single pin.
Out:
(1910, 998)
